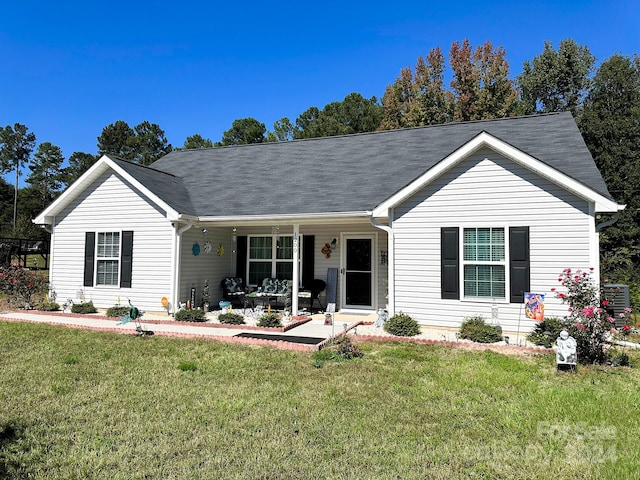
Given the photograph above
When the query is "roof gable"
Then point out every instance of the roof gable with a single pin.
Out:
(484, 139)
(166, 191)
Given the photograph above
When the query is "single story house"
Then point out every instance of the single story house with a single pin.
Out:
(439, 222)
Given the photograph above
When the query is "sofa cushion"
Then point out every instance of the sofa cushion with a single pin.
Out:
(233, 285)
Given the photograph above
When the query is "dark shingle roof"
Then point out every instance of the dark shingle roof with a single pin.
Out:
(167, 187)
(349, 173)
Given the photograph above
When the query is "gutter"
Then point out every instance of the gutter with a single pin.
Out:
(390, 263)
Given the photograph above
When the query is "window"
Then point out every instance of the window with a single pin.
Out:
(270, 257)
(108, 258)
(109, 255)
(484, 262)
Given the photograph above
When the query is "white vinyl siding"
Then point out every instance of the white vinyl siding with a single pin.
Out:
(487, 190)
(113, 205)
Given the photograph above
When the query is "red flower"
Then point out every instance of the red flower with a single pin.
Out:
(605, 303)
(626, 328)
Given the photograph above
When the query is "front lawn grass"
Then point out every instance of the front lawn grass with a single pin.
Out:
(92, 405)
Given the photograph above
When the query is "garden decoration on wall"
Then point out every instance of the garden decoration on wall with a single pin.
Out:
(326, 250)
(195, 249)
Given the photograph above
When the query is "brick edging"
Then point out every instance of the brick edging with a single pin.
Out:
(280, 344)
(297, 321)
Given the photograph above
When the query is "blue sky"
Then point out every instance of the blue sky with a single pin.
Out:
(69, 68)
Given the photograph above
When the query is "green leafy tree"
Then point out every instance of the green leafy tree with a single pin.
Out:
(197, 141)
(6, 209)
(243, 131)
(149, 143)
(46, 177)
(355, 114)
(16, 145)
(307, 124)
(556, 81)
(79, 162)
(610, 125)
(143, 144)
(117, 139)
(282, 131)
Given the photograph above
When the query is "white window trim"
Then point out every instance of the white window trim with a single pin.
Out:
(505, 263)
(274, 260)
(97, 259)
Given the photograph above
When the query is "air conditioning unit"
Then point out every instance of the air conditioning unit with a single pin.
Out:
(618, 297)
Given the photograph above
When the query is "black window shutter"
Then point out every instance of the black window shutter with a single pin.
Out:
(519, 268)
(449, 263)
(308, 255)
(126, 259)
(241, 258)
(89, 252)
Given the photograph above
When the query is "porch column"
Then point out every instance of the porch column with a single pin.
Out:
(296, 270)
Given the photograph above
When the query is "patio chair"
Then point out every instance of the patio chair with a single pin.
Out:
(317, 287)
(233, 290)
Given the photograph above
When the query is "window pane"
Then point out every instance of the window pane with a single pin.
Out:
(469, 252)
(107, 273)
(258, 271)
(285, 251)
(484, 253)
(108, 244)
(486, 281)
(284, 270)
(260, 247)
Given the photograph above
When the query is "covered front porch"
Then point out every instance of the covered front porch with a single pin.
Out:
(349, 255)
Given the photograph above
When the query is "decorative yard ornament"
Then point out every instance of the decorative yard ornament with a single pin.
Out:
(326, 250)
(566, 356)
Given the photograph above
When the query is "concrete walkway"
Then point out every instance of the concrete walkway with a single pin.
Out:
(164, 325)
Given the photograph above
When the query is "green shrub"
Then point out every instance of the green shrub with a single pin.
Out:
(49, 306)
(269, 320)
(84, 307)
(338, 349)
(546, 332)
(477, 330)
(194, 315)
(344, 347)
(118, 311)
(402, 325)
(231, 318)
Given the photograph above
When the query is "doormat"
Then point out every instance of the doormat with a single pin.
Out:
(282, 338)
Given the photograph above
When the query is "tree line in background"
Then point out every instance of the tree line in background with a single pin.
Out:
(605, 103)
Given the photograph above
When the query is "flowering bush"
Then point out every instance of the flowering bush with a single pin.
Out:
(22, 286)
(591, 325)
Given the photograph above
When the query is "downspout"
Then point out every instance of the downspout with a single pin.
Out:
(390, 263)
(608, 223)
(599, 227)
(50, 258)
(175, 267)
